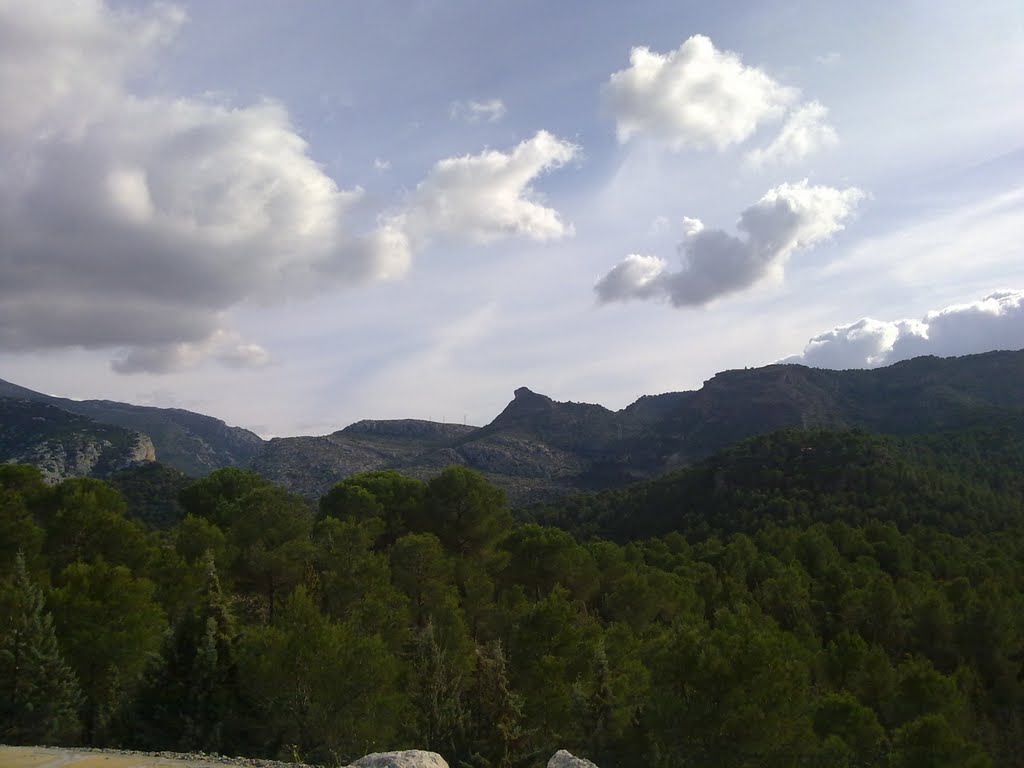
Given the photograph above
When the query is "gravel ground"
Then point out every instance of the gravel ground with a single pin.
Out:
(84, 757)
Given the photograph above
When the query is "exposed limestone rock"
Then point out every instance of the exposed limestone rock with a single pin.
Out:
(565, 759)
(62, 444)
(409, 758)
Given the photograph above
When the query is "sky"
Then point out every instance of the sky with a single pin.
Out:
(293, 216)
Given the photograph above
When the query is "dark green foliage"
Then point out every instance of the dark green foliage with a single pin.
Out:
(109, 625)
(805, 599)
(797, 477)
(84, 519)
(191, 699)
(493, 711)
(39, 695)
(464, 511)
(435, 692)
(321, 690)
(151, 492)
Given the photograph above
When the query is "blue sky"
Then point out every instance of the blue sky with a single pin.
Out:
(293, 216)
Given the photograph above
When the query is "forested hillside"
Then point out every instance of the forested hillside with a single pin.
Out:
(808, 598)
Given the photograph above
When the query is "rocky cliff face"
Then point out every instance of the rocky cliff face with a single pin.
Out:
(194, 443)
(64, 445)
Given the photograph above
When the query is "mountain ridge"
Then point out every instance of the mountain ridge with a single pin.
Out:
(538, 448)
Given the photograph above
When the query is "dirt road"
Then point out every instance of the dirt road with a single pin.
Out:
(58, 757)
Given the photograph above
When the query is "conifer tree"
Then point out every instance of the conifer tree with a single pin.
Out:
(495, 710)
(39, 695)
(189, 699)
(436, 693)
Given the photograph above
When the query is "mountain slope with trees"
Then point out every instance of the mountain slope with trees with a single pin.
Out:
(538, 449)
(805, 598)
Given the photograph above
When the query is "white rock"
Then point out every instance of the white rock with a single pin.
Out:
(563, 758)
(409, 758)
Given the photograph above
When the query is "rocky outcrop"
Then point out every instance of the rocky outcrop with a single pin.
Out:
(64, 445)
(563, 758)
(191, 442)
(409, 758)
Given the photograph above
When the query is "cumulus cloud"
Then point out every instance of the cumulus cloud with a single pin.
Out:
(694, 96)
(994, 322)
(804, 132)
(489, 111)
(484, 197)
(716, 263)
(136, 222)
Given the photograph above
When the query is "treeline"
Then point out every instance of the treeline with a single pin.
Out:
(840, 601)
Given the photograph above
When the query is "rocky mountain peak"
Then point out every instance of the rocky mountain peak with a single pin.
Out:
(526, 395)
(526, 405)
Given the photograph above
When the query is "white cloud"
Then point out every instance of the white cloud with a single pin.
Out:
(716, 263)
(635, 277)
(489, 111)
(381, 165)
(695, 96)
(994, 322)
(136, 222)
(489, 196)
(804, 132)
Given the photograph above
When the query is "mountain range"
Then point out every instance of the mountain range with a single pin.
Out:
(536, 448)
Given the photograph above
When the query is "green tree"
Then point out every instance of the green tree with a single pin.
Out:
(466, 512)
(216, 496)
(353, 582)
(930, 742)
(393, 498)
(494, 711)
(39, 695)
(190, 700)
(423, 572)
(542, 558)
(841, 716)
(322, 690)
(84, 519)
(733, 694)
(109, 625)
(270, 545)
(18, 530)
(435, 692)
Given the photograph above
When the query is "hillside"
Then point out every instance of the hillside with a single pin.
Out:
(961, 482)
(538, 449)
(63, 444)
(194, 443)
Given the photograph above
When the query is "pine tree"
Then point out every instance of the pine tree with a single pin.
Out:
(190, 698)
(495, 711)
(436, 693)
(39, 695)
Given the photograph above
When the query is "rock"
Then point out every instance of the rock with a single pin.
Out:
(563, 758)
(409, 758)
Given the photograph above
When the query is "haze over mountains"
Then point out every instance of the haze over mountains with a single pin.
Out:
(536, 447)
